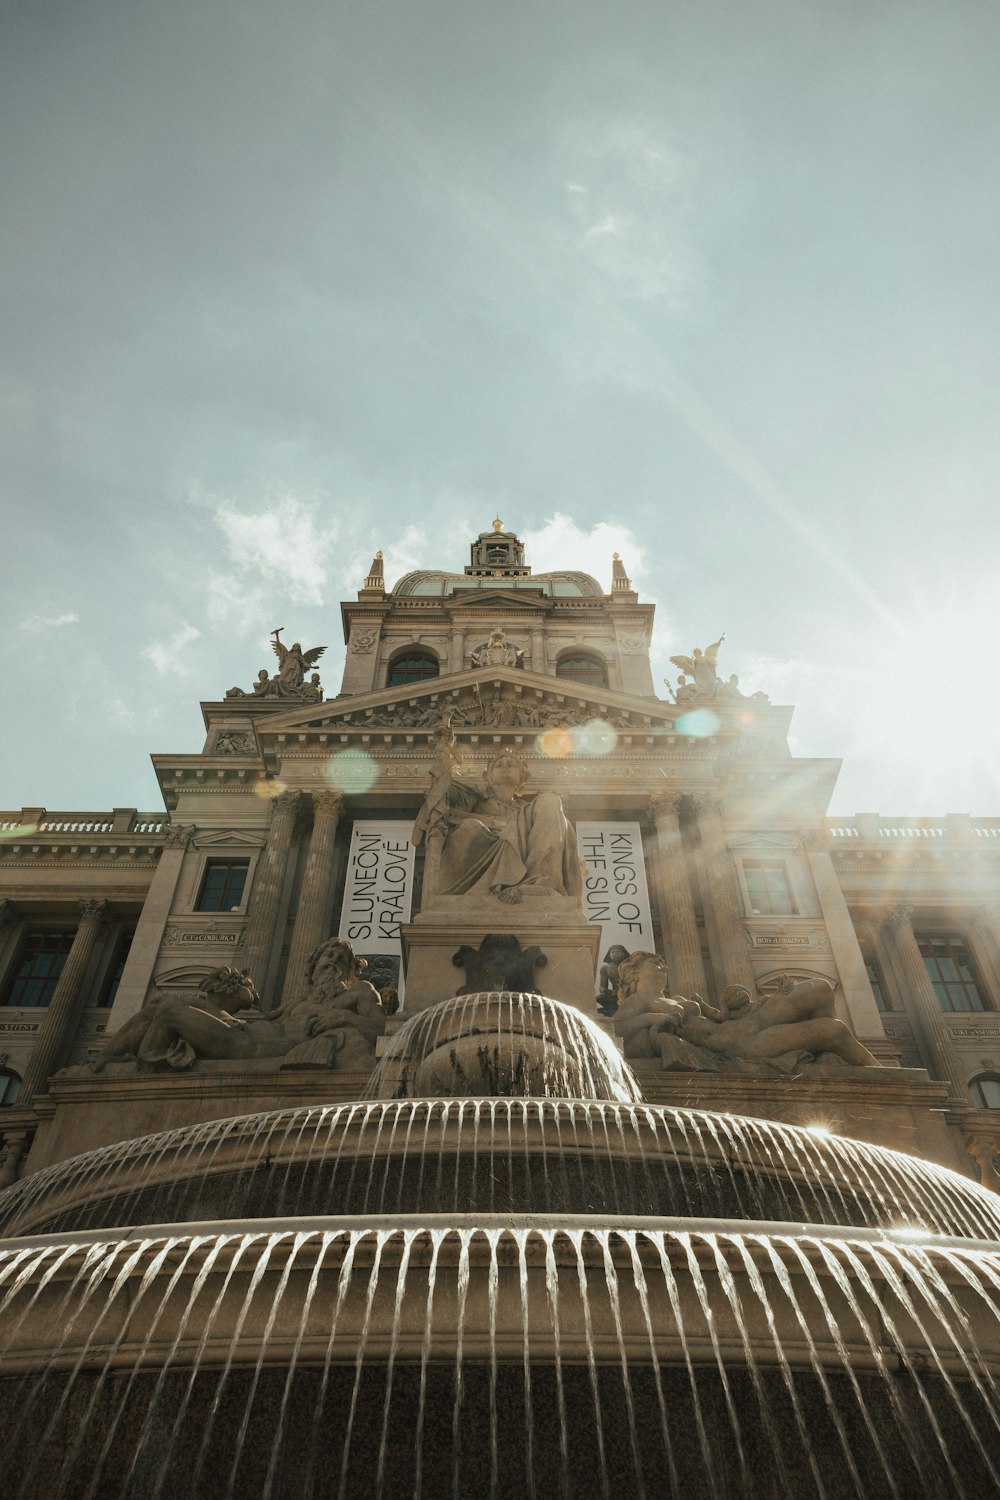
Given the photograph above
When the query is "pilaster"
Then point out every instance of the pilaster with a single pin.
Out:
(313, 914)
(150, 928)
(862, 1012)
(687, 971)
(265, 897)
(723, 898)
(62, 1015)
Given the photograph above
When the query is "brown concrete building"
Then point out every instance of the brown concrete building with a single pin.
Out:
(704, 838)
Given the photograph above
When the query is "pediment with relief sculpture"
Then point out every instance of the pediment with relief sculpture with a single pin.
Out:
(495, 700)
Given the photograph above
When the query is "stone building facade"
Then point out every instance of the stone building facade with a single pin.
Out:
(703, 836)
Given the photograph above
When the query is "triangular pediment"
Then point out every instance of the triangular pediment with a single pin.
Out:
(232, 838)
(474, 601)
(492, 699)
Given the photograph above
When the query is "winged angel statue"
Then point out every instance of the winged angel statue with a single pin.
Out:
(294, 663)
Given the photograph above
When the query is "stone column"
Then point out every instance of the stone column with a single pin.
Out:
(312, 916)
(64, 1008)
(537, 651)
(456, 649)
(723, 898)
(921, 1001)
(687, 971)
(265, 897)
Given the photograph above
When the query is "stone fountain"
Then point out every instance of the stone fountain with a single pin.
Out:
(499, 1272)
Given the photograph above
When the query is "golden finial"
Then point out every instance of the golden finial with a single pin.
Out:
(379, 553)
(498, 524)
(616, 557)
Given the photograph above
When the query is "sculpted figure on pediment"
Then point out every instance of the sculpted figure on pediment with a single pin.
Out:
(497, 840)
(335, 1024)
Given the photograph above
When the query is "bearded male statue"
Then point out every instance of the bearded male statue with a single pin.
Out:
(336, 1023)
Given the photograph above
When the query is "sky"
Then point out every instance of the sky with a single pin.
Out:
(714, 286)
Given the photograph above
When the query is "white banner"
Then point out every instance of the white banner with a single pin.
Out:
(378, 896)
(615, 895)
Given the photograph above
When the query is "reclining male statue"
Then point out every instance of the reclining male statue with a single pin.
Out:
(336, 1024)
(777, 1031)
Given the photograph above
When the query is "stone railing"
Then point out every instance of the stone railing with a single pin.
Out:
(870, 828)
(35, 820)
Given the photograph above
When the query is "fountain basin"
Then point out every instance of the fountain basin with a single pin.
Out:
(200, 1337)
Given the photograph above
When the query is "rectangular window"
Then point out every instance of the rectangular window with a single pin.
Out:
(222, 888)
(114, 979)
(768, 888)
(878, 987)
(41, 962)
(949, 967)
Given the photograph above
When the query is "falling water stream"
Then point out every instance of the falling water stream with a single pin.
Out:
(492, 1293)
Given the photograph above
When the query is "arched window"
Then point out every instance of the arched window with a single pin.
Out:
(413, 665)
(582, 666)
(985, 1091)
(10, 1086)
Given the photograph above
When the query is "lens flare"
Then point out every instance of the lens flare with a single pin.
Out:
(822, 1131)
(20, 831)
(351, 771)
(270, 789)
(700, 723)
(555, 743)
(596, 738)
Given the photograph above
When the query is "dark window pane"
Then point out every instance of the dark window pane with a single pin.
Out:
(41, 962)
(413, 666)
(878, 988)
(582, 666)
(985, 1093)
(768, 889)
(950, 970)
(222, 888)
(10, 1086)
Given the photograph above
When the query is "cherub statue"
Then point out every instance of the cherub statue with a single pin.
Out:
(294, 664)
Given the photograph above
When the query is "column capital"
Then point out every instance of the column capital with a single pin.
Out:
(328, 803)
(178, 835)
(673, 803)
(896, 917)
(94, 911)
(286, 805)
(704, 802)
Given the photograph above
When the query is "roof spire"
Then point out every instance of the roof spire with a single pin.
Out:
(498, 524)
(375, 579)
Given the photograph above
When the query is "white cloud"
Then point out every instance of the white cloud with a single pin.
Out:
(288, 546)
(626, 198)
(167, 655)
(34, 623)
(561, 543)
